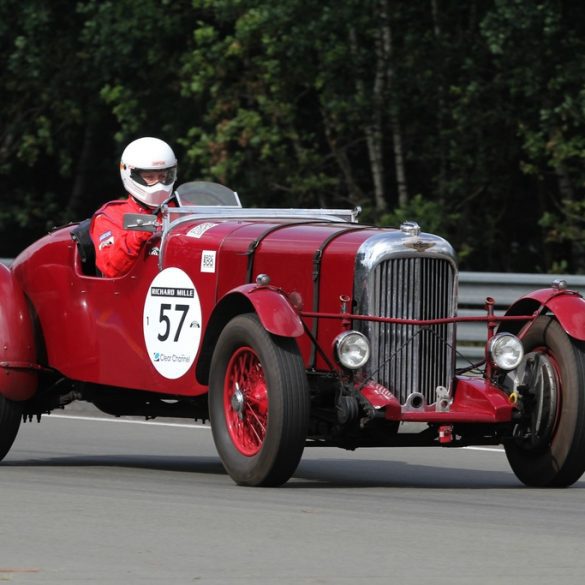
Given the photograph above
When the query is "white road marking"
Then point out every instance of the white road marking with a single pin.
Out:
(195, 426)
(123, 420)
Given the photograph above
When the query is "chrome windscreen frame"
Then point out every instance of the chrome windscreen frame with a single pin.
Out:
(225, 213)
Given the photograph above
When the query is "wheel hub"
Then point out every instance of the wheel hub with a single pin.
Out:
(540, 396)
(246, 401)
(237, 401)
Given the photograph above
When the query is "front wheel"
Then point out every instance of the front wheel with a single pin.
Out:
(258, 403)
(10, 414)
(548, 447)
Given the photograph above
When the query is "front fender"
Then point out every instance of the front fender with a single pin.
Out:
(274, 310)
(567, 306)
(18, 373)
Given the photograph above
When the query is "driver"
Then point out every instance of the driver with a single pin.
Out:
(149, 170)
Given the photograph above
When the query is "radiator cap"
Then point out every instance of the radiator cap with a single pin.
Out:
(410, 228)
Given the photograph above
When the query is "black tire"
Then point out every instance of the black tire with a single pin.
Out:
(10, 414)
(258, 403)
(549, 449)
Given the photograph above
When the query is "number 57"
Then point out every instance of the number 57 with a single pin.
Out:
(164, 318)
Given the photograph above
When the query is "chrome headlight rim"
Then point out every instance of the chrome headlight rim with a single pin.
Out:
(505, 351)
(347, 357)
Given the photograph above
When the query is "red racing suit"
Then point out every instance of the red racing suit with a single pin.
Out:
(116, 249)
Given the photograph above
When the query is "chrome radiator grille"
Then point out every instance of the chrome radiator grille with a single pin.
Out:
(411, 358)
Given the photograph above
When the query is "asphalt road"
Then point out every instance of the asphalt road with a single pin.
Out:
(105, 501)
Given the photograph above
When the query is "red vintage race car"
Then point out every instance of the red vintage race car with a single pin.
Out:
(286, 329)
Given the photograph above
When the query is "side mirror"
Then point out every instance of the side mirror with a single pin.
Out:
(140, 222)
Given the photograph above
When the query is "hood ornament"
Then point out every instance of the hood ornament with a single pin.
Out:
(412, 229)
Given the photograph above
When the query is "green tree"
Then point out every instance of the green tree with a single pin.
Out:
(79, 80)
(467, 115)
(289, 90)
(539, 51)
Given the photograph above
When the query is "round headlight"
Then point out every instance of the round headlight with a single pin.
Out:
(353, 349)
(505, 351)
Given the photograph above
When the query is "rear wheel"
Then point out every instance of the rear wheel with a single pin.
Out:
(548, 449)
(258, 403)
(10, 414)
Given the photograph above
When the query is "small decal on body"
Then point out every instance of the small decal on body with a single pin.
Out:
(199, 230)
(208, 261)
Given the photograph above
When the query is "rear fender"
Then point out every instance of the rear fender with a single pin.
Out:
(18, 369)
(567, 306)
(274, 310)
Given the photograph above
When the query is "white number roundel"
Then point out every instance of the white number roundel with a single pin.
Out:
(172, 323)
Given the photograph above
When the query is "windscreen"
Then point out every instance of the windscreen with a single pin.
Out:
(203, 193)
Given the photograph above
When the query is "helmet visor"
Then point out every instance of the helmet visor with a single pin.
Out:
(150, 177)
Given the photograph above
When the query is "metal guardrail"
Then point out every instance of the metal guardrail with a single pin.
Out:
(504, 288)
(474, 288)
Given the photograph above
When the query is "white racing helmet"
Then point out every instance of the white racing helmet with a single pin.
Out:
(141, 156)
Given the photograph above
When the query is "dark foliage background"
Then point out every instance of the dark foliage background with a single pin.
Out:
(467, 116)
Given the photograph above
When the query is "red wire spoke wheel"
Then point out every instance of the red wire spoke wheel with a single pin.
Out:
(246, 401)
(258, 403)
